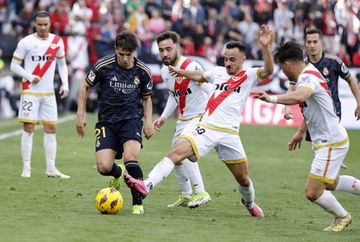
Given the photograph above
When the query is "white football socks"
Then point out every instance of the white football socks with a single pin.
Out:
(193, 172)
(183, 180)
(348, 184)
(248, 194)
(50, 151)
(329, 203)
(26, 149)
(160, 171)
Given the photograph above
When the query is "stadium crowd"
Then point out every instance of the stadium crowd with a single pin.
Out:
(89, 27)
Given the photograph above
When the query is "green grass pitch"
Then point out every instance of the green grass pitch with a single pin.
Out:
(45, 209)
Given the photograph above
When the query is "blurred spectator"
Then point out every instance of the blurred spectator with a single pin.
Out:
(132, 6)
(249, 29)
(356, 57)
(329, 27)
(282, 21)
(8, 108)
(187, 45)
(343, 55)
(150, 6)
(77, 56)
(213, 24)
(59, 19)
(105, 39)
(157, 23)
(208, 50)
(232, 32)
(166, 9)
(196, 12)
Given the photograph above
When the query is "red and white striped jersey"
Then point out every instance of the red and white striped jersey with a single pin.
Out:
(39, 56)
(189, 95)
(319, 109)
(228, 98)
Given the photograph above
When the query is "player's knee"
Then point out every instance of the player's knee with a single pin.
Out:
(29, 128)
(103, 168)
(244, 181)
(311, 195)
(50, 129)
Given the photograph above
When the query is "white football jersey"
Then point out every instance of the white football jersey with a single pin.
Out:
(318, 109)
(189, 95)
(39, 57)
(228, 98)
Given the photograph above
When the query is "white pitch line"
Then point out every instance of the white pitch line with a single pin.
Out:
(19, 131)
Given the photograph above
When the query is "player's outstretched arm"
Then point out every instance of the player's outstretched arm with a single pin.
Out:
(265, 41)
(191, 74)
(81, 109)
(296, 97)
(356, 92)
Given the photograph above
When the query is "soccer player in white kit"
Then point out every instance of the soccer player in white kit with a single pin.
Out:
(40, 51)
(189, 98)
(219, 125)
(330, 141)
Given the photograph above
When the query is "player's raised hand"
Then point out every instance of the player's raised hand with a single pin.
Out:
(158, 123)
(36, 80)
(173, 70)
(80, 125)
(263, 96)
(265, 36)
(63, 93)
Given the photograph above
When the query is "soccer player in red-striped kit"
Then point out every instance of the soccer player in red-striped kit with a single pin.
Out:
(41, 52)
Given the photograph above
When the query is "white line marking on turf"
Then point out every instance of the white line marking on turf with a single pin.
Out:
(19, 131)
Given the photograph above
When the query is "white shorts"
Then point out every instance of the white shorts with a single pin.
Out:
(180, 126)
(228, 146)
(38, 109)
(327, 162)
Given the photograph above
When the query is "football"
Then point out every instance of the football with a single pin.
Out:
(109, 201)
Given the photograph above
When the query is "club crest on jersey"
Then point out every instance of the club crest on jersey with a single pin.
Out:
(325, 71)
(53, 46)
(136, 80)
(236, 78)
(178, 79)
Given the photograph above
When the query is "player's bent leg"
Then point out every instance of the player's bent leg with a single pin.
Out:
(239, 169)
(161, 169)
(316, 193)
(107, 167)
(346, 184)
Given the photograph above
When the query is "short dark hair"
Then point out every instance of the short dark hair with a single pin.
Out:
(235, 44)
(313, 31)
(41, 14)
(126, 40)
(289, 51)
(168, 35)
